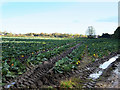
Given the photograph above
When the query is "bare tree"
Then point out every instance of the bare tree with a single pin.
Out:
(90, 32)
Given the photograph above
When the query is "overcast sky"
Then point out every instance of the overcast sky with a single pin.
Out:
(61, 17)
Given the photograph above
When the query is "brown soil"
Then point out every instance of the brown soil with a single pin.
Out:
(81, 76)
(85, 60)
(44, 77)
(38, 75)
(111, 78)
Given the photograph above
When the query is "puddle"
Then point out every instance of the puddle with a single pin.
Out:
(117, 70)
(107, 63)
(114, 78)
(96, 75)
(88, 68)
(8, 86)
(102, 67)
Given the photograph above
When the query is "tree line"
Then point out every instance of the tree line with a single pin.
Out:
(59, 35)
(65, 35)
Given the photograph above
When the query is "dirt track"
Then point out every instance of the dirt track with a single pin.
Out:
(38, 77)
(83, 73)
(111, 77)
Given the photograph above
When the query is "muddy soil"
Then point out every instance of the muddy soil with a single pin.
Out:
(38, 75)
(111, 77)
(87, 68)
(42, 79)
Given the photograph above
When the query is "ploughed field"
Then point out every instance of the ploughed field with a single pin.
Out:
(49, 63)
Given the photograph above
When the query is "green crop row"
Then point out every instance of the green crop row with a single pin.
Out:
(71, 61)
(101, 47)
(35, 51)
(95, 48)
(31, 52)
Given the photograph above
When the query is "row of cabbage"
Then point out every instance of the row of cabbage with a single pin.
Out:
(71, 61)
(94, 49)
(20, 53)
(102, 47)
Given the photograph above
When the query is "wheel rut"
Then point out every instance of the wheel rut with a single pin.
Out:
(37, 74)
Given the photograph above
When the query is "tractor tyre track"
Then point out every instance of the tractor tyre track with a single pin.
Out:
(37, 73)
